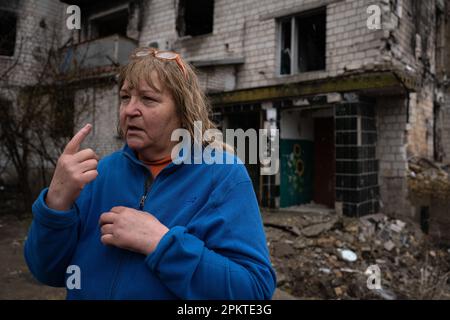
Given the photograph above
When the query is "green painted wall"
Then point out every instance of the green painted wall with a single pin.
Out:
(296, 184)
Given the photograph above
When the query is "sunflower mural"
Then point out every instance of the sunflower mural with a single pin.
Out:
(296, 172)
(297, 166)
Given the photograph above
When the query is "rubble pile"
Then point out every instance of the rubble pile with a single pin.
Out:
(427, 178)
(324, 256)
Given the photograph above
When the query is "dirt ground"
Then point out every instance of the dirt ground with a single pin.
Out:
(306, 253)
(15, 279)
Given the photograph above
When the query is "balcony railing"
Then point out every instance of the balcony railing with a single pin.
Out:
(96, 54)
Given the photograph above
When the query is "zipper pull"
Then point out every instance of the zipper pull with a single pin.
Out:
(142, 202)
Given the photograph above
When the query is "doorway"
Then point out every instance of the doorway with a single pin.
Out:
(245, 121)
(324, 162)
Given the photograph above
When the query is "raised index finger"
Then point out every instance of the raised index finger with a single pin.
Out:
(74, 144)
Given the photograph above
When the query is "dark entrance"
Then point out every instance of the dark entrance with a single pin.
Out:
(244, 121)
(324, 161)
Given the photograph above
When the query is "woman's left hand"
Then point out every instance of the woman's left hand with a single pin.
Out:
(131, 229)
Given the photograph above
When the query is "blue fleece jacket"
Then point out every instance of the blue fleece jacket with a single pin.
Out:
(215, 248)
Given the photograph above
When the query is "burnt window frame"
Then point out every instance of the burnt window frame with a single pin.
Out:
(96, 15)
(181, 24)
(294, 41)
(15, 16)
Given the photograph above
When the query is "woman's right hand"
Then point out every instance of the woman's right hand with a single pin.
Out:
(73, 171)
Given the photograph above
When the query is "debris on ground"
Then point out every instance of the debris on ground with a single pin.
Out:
(329, 257)
(426, 178)
(347, 255)
(429, 192)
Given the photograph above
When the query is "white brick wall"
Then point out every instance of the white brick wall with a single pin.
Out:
(392, 155)
(103, 105)
(32, 38)
(249, 31)
(241, 25)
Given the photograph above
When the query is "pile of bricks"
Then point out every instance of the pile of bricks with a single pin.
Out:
(426, 179)
(336, 260)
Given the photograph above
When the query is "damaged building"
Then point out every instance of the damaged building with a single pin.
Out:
(352, 101)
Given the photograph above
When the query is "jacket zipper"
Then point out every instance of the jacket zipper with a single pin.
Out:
(145, 194)
(147, 188)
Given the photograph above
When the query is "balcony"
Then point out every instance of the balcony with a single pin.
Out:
(98, 55)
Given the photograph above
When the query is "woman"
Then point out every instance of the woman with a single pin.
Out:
(136, 224)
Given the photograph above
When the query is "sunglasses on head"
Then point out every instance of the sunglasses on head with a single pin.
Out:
(162, 55)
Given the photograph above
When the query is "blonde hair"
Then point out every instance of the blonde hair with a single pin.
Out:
(190, 101)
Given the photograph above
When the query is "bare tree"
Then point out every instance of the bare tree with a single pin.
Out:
(37, 118)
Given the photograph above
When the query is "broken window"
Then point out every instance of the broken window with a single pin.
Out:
(8, 24)
(302, 45)
(285, 64)
(195, 17)
(103, 25)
